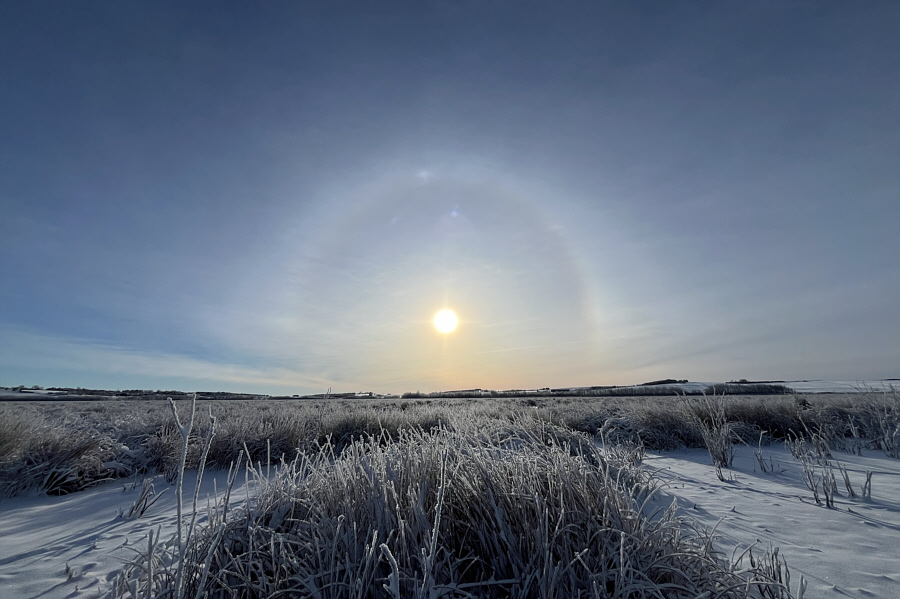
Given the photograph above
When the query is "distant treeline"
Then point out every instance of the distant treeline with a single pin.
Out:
(80, 392)
(118, 392)
(655, 388)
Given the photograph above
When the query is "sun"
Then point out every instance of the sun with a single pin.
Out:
(445, 321)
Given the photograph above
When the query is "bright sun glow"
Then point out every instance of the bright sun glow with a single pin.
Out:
(445, 321)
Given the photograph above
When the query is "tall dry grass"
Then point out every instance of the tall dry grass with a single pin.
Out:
(61, 447)
(490, 508)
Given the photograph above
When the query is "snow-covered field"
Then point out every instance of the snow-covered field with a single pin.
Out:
(71, 546)
(842, 386)
(850, 551)
(797, 386)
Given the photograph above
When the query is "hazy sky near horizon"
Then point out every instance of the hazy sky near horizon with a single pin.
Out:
(279, 197)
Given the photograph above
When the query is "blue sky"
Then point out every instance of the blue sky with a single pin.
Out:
(278, 198)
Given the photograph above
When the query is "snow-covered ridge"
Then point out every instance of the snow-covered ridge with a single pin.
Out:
(843, 386)
(796, 386)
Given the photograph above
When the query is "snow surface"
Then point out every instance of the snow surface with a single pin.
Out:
(41, 536)
(843, 386)
(850, 551)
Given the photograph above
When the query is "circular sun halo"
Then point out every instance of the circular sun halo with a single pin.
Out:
(445, 321)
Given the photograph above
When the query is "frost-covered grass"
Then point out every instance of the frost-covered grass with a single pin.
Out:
(502, 497)
(493, 508)
(61, 447)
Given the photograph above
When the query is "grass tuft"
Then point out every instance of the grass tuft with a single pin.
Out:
(491, 509)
